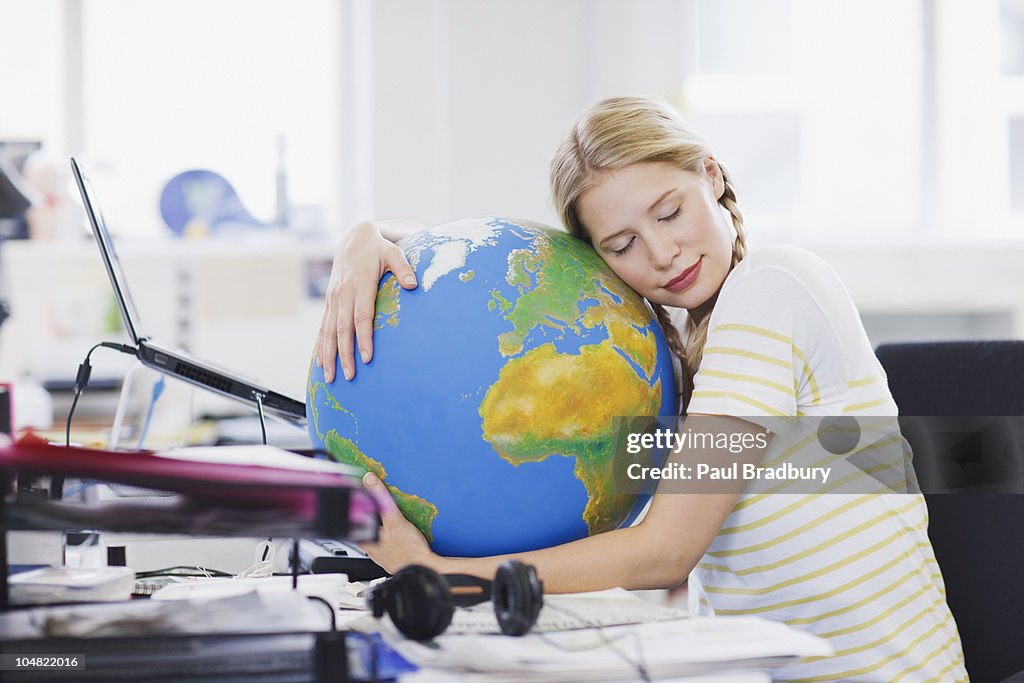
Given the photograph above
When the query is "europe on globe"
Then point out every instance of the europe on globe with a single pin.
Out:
(491, 406)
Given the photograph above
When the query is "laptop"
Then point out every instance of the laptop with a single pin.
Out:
(168, 361)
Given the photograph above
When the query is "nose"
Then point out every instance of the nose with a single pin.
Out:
(664, 250)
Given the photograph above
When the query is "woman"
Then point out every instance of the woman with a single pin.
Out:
(767, 334)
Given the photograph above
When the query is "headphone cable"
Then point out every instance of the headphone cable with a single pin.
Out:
(639, 666)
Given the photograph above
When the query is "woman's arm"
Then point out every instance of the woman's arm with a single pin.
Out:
(658, 552)
(363, 255)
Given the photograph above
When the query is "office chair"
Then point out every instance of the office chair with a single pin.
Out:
(978, 538)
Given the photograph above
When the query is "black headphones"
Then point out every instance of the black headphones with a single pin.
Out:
(421, 602)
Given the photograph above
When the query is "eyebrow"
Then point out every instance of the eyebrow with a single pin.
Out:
(649, 209)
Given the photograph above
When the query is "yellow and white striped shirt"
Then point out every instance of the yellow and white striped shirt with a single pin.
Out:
(785, 339)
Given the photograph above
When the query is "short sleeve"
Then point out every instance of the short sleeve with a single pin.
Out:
(755, 359)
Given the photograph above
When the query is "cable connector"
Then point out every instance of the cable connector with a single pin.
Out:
(85, 369)
(82, 378)
(123, 348)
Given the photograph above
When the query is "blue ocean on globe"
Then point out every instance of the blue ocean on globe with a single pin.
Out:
(493, 403)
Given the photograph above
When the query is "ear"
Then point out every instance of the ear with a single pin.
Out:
(715, 175)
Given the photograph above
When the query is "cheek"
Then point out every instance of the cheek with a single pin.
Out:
(628, 272)
(717, 237)
(721, 264)
(725, 229)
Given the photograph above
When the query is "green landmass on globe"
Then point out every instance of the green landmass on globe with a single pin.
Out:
(529, 352)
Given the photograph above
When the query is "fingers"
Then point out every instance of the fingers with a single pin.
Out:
(329, 351)
(360, 262)
(395, 261)
(399, 542)
(343, 333)
(362, 317)
(327, 344)
(377, 489)
(365, 301)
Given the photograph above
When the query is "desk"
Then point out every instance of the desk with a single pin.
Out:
(245, 636)
(277, 635)
(663, 645)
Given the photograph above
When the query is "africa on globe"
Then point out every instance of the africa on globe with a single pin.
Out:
(490, 406)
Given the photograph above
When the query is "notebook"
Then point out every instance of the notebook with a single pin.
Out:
(169, 361)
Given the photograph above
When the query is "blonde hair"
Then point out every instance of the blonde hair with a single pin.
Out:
(621, 131)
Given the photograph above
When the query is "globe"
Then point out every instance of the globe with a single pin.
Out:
(492, 406)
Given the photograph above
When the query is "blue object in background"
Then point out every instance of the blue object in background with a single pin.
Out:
(201, 201)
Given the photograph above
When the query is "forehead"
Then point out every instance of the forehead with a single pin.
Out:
(621, 197)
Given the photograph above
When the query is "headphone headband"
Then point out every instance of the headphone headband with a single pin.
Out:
(421, 602)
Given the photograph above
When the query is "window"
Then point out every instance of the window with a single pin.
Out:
(143, 90)
(979, 76)
(816, 107)
(32, 78)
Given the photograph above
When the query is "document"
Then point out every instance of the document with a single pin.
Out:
(682, 647)
(607, 636)
(250, 612)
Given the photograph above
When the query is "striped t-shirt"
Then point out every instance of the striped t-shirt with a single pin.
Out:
(785, 339)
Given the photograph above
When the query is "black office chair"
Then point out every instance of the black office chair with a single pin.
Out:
(977, 531)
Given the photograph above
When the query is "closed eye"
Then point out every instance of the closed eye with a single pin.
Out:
(671, 216)
(623, 250)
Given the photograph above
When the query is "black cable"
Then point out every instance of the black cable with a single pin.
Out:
(67, 429)
(330, 607)
(183, 570)
(82, 379)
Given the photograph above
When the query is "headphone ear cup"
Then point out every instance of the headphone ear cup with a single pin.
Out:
(518, 596)
(419, 602)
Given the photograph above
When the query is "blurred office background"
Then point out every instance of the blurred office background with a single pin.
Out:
(887, 135)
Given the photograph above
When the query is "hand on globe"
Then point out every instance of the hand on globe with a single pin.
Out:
(361, 259)
(399, 543)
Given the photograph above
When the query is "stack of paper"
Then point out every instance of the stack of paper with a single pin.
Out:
(252, 612)
(660, 650)
(71, 584)
(662, 646)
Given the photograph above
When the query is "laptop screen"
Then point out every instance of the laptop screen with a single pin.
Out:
(110, 260)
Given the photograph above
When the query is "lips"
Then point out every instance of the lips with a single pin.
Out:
(686, 278)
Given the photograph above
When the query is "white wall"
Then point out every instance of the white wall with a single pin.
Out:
(470, 99)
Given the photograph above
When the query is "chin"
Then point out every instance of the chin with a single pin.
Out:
(660, 296)
(680, 300)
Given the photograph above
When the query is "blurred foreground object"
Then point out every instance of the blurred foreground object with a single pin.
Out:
(15, 199)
